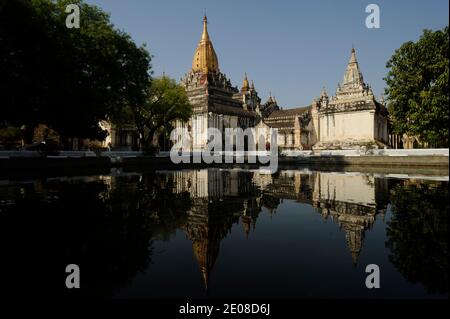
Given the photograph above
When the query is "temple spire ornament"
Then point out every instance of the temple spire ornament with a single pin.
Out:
(353, 55)
(205, 58)
(245, 84)
(205, 35)
(353, 77)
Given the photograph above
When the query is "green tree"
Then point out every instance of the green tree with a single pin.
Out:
(10, 137)
(69, 79)
(417, 88)
(167, 101)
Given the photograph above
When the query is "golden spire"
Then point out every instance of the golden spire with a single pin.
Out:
(245, 84)
(205, 58)
(205, 35)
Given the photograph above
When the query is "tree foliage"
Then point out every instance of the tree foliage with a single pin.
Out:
(69, 79)
(417, 88)
(167, 101)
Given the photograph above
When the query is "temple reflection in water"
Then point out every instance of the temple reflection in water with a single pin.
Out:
(237, 232)
(221, 198)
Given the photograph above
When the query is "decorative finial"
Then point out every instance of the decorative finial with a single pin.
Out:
(205, 58)
(324, 93)
(245, 84)
(353, 55)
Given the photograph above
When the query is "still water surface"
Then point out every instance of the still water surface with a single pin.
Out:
(226, 233)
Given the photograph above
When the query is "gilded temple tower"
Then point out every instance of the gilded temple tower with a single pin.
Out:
(205, 58)
(215, 102)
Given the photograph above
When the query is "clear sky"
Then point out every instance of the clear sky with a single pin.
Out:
(290, 48)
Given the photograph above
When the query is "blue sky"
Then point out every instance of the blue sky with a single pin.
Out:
(290, 48)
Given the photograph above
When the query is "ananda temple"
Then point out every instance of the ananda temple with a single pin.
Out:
(350, 119)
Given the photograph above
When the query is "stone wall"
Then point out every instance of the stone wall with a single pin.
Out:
(347, 126)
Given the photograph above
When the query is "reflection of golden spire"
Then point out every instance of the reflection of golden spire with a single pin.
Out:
(205, 274)
(354, 236)
(206, 252)
(355, 255)
(205, 58)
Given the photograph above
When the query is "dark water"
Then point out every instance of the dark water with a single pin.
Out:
(225, 233)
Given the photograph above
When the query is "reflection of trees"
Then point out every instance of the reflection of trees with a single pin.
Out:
(418, 234)
(107, 231)
(152, 195)
(135, 212)
(112, 240)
